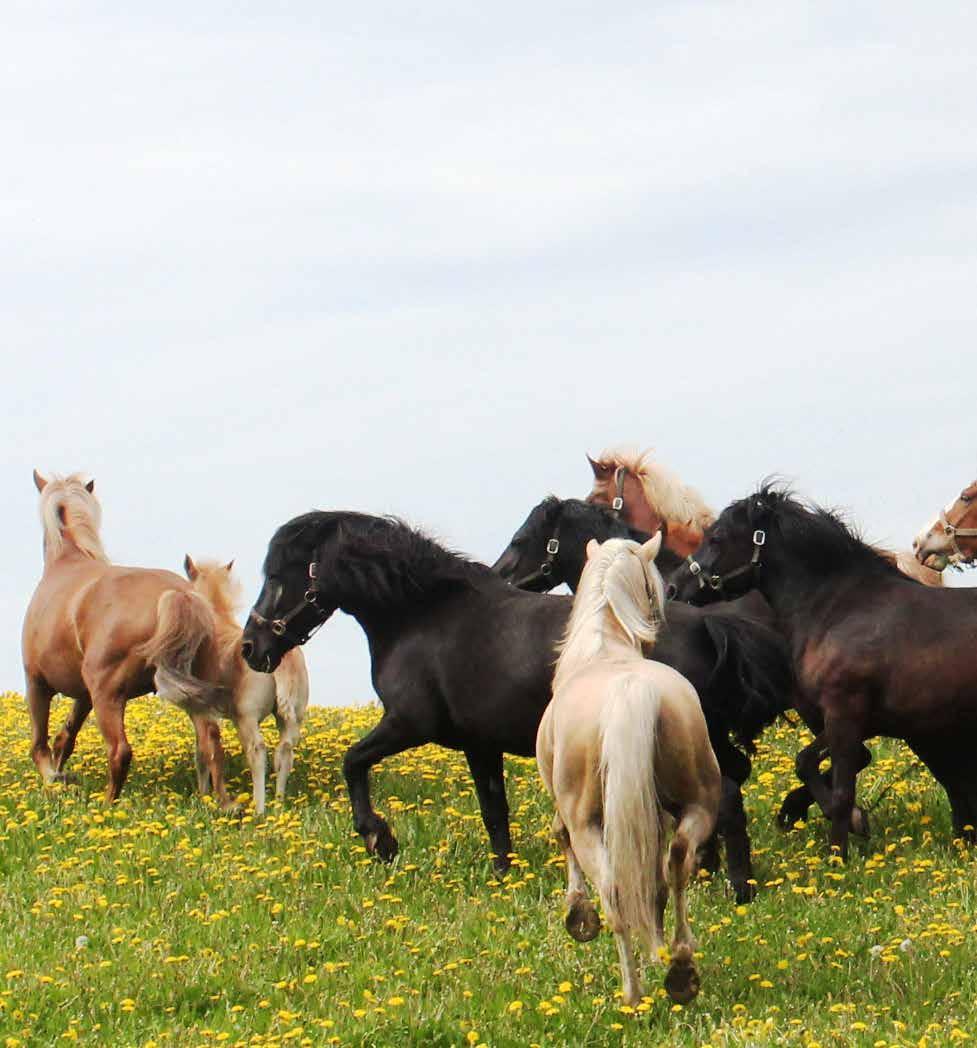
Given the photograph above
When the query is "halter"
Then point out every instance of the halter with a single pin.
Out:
(952, 531)
(279, 626)
(545, 570)
(617, 503)
(718, 582)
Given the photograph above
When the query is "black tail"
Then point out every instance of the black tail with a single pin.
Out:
(753, 674)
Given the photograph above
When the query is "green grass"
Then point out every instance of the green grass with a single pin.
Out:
(161, 921)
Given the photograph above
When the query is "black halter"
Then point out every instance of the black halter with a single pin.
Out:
(717, 583)
(545, 570)
(617, 503)
(279, 626)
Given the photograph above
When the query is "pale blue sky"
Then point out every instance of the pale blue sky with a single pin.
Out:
(420, 260)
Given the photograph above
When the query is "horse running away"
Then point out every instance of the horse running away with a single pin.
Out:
(623, 746)
(102, 634)
(248, 697)
(874, 652)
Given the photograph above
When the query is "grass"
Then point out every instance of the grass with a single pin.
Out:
(162, 922)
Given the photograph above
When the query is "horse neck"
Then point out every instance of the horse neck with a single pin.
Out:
(69, 548)
(593, 635)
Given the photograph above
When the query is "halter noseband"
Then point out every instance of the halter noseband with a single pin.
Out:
(952, 531)
(717, 583)
(545, 570)
(279, 626)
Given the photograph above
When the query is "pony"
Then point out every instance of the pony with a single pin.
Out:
(622, 747)
(462, 659)
(650, 497)
(951, 538)
(248, 697)
(103, 634)
(874, 652)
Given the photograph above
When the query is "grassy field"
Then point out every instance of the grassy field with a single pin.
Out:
(162, 922)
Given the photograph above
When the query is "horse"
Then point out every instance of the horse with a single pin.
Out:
(622, 747)
(462, 659)
(650, 498)
(249, 697)
(549, 547)
(875, 653)
(103, 634)
(951, 538)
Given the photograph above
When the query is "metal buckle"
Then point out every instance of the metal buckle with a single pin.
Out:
(310, 596)
(759, 537)
(278, 628)
(617, 503)
(695, 567)
(553, 547)
(546, 568)
(312, 570)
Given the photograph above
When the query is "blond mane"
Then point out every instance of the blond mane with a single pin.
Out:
(664, 491)
(69, 511)
(221, 589)
(615, 585)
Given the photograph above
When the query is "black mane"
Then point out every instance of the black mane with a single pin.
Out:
(381, 558)
(819, 537)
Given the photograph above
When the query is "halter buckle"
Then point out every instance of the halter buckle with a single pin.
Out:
(311, 595)
(553, 547)
(313, 570)
(546, 568)
(694, 567)
(278, 627)
(759, 537)
(617, 503)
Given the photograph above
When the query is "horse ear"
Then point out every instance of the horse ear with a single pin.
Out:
(594, 466)
(228, 566)
(40, 481)
(650, 549)
(190, 568)
(90, 486)
(592, 547)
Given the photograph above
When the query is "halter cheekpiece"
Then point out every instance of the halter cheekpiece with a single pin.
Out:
(717, 583)
(279, 626)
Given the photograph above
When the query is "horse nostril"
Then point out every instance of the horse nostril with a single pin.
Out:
(247, 649)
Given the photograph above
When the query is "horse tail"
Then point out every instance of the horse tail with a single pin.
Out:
(185, 622)
(632, 815)
(753, 673)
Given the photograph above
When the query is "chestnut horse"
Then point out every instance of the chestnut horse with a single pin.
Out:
(951, 539)
(103, 634)
(249, 697)
(650, 498)
(621, 748)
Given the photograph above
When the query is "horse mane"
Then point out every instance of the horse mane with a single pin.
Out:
(819, 536)
(70, 511)
(384, 558)
(222, 590)
(616, 584)
(664, 491)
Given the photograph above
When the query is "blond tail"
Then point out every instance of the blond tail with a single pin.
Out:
(632, 817)
(184, 623)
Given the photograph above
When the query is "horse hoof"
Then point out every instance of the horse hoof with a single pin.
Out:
(682, 981)
(382, 844)
(582, 921)
(859, 822)
(501, 866)
(744, 892)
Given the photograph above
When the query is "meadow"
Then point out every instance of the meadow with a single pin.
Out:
(161, 921)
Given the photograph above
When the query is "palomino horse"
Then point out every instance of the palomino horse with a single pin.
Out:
(103, 634)
(248, 697)
(951, 539)
(650, 498)
(874, 652)
(623, 746)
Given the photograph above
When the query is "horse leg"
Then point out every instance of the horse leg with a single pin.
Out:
(110, 715)
(39, 697)
(732, 826)
(210, 751)
(945, 768)
(249, 732)
(817, 787)
(487, 771)
(392, 735)
(581, 921)
(846, 762)
(64, 744)
(682, 980)
(289, 730)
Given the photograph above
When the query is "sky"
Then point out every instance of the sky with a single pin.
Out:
(259, 259)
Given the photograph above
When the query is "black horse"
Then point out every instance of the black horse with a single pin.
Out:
(875, 652)
(463, 659)
(550, 546)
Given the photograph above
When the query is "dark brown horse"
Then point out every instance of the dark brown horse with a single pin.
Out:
(874, 652)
